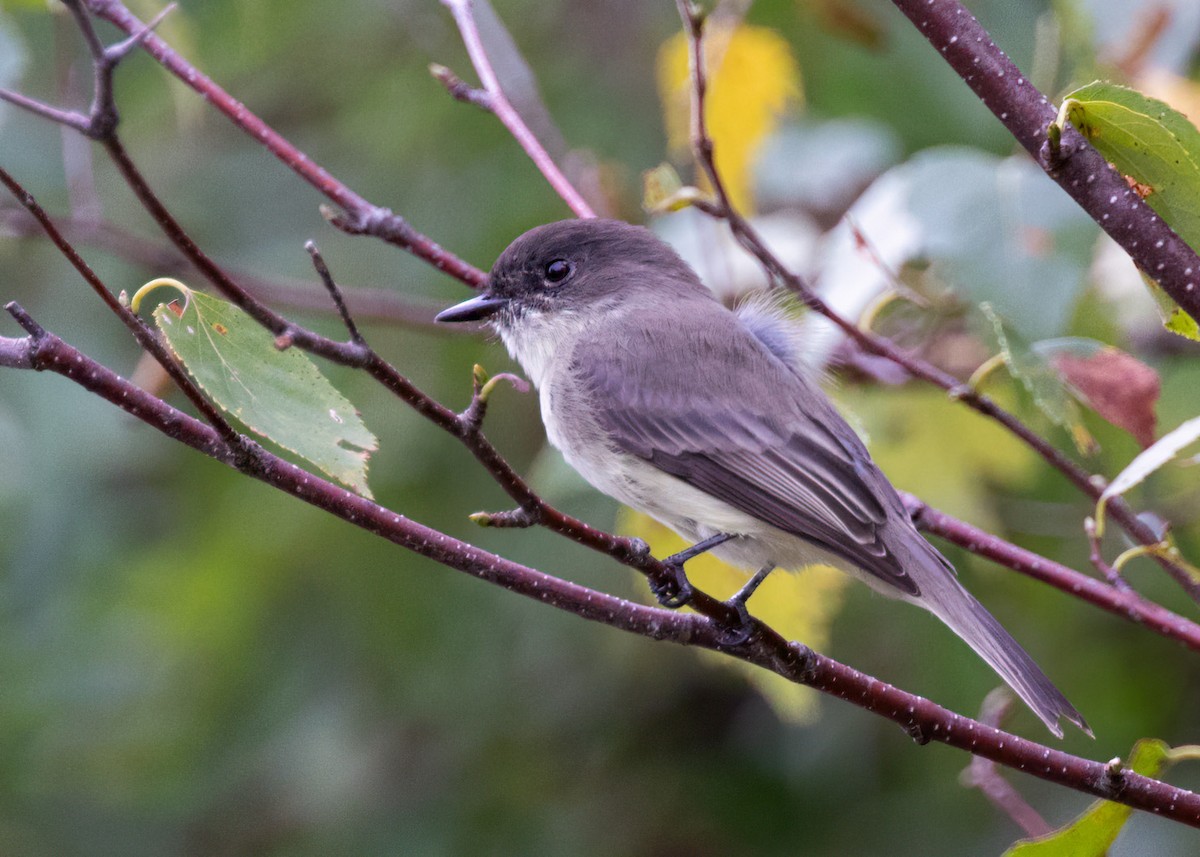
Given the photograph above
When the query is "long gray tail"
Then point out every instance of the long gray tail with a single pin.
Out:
(946, 599)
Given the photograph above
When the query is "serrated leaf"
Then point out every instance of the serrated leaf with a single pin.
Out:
(1034, 370)
(280, 395)
(1157, 148)
(800, 606)
(1093, 833)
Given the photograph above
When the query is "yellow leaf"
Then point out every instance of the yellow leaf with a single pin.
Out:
(801, 606)
(752, 80)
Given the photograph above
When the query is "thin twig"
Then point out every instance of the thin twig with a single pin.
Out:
(359, 217)
(334, 292)
(497, 104)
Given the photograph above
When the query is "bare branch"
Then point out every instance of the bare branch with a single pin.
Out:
(497, 103)
(1120, 602)
(359, 217)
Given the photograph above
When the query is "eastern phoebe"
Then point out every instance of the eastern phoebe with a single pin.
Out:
(678, 407)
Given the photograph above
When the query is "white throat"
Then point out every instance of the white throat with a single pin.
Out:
(537, 340)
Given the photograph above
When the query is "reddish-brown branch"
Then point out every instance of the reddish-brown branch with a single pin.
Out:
(919, 717)
(1123, 602)
(359, 216)
(494, 100)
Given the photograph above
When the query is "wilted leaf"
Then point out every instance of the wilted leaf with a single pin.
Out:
(1116, 385)
(1093, 833)
(801, 606)
(1150, 142)
(280, 395)
(752, 80)
(1043, 381)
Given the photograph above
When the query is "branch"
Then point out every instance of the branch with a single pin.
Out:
(919, 717)
(747, 236)
(368, 304)
(1078, 169)
(359, 217)
(493, 100)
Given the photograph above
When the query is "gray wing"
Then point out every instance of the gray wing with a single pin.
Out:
(781, 454)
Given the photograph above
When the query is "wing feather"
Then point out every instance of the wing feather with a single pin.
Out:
(783, 455)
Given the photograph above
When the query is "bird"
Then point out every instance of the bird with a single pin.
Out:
(673, 404)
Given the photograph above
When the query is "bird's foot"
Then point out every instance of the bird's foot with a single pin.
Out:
(672, 587)
(741, 629)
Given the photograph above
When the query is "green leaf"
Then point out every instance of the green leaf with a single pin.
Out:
(1173, 318)
(1093, 833)
(1157, 147)
(1033, 367)
(280, 395)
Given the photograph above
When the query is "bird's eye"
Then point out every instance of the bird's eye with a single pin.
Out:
(558, 270)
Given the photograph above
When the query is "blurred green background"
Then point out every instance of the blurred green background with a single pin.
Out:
(193, 663)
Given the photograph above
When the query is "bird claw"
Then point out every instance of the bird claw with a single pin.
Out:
(672, 589)
(737, 633)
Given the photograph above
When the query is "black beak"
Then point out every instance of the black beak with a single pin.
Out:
(476, 309)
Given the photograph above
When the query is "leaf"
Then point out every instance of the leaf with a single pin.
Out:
(1028, 256)
(280, 395)
(1117, 386)
(1156, 146)
(801, 606)
(1044, 383)
(752, 80)
(1173, 317)
(1150, 460)
(1093, 833)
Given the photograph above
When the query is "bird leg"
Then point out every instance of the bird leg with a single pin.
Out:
(741, 632)
(673, 590)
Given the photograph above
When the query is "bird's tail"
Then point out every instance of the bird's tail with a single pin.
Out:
(949, 601)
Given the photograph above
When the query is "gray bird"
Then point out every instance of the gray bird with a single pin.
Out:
(672, 404)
